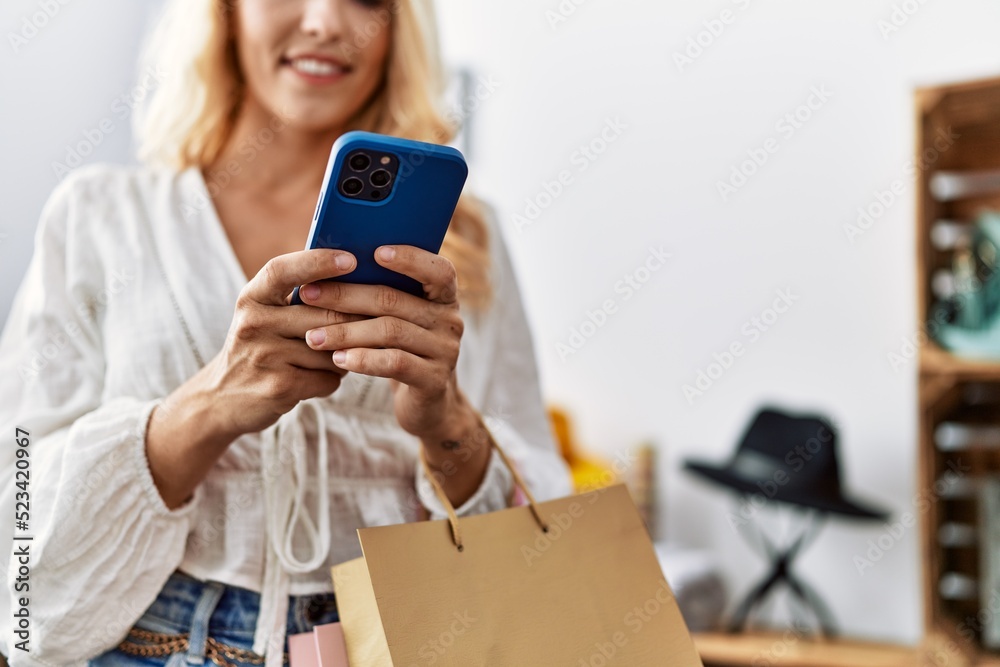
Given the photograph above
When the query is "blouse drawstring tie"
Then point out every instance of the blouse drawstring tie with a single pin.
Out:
(285, 490)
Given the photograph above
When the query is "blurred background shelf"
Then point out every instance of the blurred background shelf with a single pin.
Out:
(959, 412)
(775, 650)
(935, 361)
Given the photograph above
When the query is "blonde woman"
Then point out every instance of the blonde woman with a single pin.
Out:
(202, 451)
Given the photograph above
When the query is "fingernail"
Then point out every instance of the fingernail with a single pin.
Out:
(343, 261)
(339, 356)
(387, 253)
(310, 291)
(316, 336)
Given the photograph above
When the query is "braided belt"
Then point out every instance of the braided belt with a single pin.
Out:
(160, 644)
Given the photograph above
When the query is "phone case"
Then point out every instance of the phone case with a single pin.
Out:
(416, 212)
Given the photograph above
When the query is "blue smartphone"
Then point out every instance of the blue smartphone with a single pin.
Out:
(382, 190)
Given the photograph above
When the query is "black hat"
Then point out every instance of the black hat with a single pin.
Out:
(790, 459)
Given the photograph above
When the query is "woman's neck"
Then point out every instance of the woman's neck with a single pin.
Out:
(265, 153)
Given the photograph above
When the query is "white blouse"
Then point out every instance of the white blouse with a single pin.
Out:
(130, 290)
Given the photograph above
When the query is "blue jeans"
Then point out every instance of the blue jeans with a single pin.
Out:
(203, 610)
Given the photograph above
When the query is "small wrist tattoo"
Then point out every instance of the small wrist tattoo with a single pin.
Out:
(451, 445)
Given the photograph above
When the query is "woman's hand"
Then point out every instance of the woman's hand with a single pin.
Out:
(264, 369)
(414, 342)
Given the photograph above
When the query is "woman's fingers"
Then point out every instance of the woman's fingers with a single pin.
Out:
(299, 355)
(293, 321)
(280, 275)
(375, 329)
(376, 333)
(375, 301)
(436, 273)
(397, 364)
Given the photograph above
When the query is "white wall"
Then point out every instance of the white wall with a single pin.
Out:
(656, 184)
(66, 66)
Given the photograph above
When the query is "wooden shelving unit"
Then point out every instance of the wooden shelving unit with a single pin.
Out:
(949, 387)
(776, 650)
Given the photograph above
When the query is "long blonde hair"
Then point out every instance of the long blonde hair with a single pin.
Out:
(190, 117)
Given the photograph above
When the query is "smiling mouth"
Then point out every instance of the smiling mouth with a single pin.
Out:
(316, 67)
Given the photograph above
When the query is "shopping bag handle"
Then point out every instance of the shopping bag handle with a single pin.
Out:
(456, 534)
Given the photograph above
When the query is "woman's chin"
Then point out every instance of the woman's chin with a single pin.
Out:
(314, 123)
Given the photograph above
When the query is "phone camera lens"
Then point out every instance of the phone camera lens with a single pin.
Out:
(352, 186)
(380, 178)
(376, 194)
(359, 162)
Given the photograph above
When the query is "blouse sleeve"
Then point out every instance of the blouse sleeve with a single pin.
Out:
(513, 409)
(99, 542)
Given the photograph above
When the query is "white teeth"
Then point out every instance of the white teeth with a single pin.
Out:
(315, 67)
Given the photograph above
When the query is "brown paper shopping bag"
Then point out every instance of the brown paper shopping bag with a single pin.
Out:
(570, 582)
